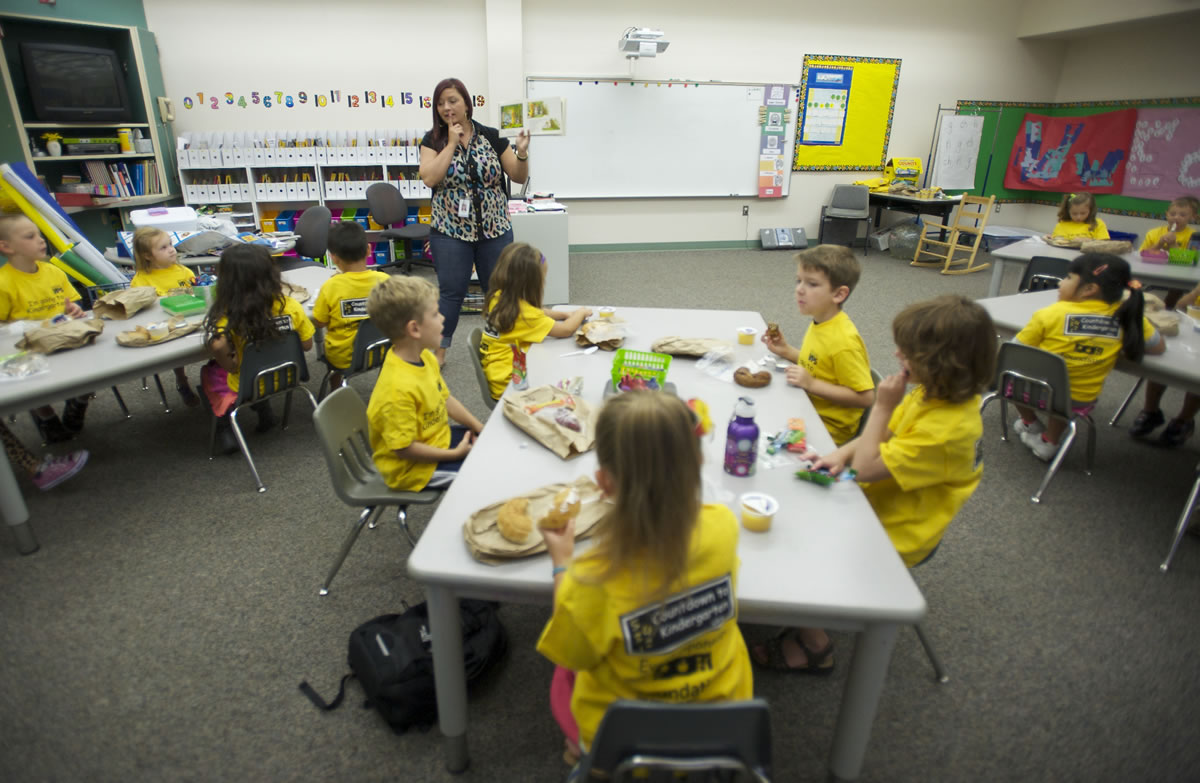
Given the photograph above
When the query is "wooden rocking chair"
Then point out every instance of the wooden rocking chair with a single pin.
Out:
(971, 220)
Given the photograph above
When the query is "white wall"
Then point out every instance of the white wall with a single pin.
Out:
(1051, 17)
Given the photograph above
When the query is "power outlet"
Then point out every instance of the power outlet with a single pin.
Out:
(997, 209)
(746, 211)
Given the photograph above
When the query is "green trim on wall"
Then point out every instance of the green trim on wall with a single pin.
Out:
(622, 247)
(130, 13)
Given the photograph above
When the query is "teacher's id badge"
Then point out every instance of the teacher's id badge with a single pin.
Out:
(464, 207)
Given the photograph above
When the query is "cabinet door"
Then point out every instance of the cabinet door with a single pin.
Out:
(153, 78)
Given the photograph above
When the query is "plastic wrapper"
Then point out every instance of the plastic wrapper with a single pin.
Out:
(609, 335)
(718, 364)
(902, 240)
(26, 364)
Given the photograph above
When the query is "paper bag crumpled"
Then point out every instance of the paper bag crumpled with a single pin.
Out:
(609, 335)
(176, 327)
(1115, 246)
(49, 337)
(562, 440)
(690, 346)
(123, 303)
(488, 546)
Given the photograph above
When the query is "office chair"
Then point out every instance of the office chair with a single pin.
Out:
(485, 390)
(1043, 273)
(1038, 379)
(848, 202)
(969, 223)
(369, 351)
(341, 424)
(388, 208)
(710, 741)
(312, 227)
(268, 370)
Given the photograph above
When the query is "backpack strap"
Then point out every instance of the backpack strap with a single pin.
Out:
(316, 699)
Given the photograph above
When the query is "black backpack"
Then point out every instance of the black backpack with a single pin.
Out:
(390, 656)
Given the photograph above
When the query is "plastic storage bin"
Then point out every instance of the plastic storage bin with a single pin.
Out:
(166, 218)
(183, 304)
(641, 363)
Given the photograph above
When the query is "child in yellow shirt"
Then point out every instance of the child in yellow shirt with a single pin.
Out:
(514, 318)
(1181, 213)
(409, 414)
(31, 289)
(831, 363)
(1077, 219)
(155, 258)
(342, 301)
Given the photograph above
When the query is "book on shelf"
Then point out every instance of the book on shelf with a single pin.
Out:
(122, 180)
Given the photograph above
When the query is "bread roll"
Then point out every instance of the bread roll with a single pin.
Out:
(564, 508)
(513, 521)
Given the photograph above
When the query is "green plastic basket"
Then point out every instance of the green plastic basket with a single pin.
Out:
(641, 363)
(1181, 256)
(183, 304)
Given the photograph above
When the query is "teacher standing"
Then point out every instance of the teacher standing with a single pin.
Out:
(464, 163)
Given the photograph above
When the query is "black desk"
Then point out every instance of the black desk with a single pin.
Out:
(942, 207)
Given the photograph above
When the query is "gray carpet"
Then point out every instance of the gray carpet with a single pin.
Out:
(161, 631)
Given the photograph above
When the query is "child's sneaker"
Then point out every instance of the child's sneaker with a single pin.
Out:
(52, 429)
(55, 470)
(1041, 448)
(1146, 422)
(73, 413)
(1020, 426)
(187, 395)
(1177, 432)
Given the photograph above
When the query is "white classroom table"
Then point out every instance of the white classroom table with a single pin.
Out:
(826, 561)
(95, 367)
(1178, 367)
(1164, 274)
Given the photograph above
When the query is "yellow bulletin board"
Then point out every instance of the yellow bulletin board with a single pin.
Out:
(845, 116)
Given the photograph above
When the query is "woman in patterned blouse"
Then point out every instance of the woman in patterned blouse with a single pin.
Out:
(465, 163)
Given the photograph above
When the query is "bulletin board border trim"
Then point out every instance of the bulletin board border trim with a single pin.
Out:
(839, 59)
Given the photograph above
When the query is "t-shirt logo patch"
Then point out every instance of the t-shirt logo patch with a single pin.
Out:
(58, 289)
(283, 323)
(1092, 326)
(665, 626)
(354, 308)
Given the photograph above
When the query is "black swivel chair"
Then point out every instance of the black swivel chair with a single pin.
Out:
(313, 230)
(388, 208)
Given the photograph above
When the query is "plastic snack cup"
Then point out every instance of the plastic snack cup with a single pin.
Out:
(746, 335)
(758, 510)
(606, 311)
(158, 330)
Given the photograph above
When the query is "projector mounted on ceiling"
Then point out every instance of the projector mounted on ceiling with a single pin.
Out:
(642, 42)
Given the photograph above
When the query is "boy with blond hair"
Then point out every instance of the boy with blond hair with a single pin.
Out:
(831, 363)
(342, 302)
(413, 443)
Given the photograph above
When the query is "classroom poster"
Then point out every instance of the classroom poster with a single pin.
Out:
(957, 152)
(845, 117)
(772, 160)
(1067, 154)
(1164, 156)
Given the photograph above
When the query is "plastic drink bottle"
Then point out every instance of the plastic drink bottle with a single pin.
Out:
(741, 439)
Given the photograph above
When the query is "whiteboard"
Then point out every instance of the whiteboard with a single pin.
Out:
(651, 140)
(957, 152)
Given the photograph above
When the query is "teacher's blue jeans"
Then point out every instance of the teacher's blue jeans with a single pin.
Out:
(453, 259)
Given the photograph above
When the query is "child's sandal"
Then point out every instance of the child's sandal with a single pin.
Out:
(819, 662)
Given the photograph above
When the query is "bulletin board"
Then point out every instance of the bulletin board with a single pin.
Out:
(1004, 125)
(845, 117)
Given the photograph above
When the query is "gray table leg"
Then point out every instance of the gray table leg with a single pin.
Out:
(997, 277)
(445, 629)
(14, 511)
(868, 670)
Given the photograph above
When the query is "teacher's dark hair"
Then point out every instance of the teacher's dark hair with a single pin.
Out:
(439, 127)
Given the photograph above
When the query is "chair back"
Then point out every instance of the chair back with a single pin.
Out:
(862, 422)
(313, 230)
(1033, 377)
(1043, 272)
(849, 201)
(341, 424)
(271, 367)
(485, 390)
(94, 292)
(972, 215)
(386, 204)
(370, 348)
(652, 741)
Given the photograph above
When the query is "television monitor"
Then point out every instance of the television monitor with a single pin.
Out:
(69, 83)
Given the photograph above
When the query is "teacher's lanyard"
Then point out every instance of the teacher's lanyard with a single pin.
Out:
(474, 184)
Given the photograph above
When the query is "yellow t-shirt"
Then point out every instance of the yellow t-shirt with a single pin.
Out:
(288, 315)
(935, 457)
(834, 352)
(342, 303)
(496, 350)
(163, 280)
(1069, 229)
(1086, 335)
(684, 648)
(1155, 235)
(408, 404)
(25, 296)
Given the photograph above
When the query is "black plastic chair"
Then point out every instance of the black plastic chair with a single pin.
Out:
(370, 349)
(268, 370)
(711, 741)
(848, 202)
(388, 208)
(313, 229)
(474, 340)
(1042, 273)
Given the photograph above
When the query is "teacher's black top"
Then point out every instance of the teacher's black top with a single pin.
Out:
(474, 174)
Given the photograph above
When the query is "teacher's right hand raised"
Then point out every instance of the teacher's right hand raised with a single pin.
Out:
(455, 134)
